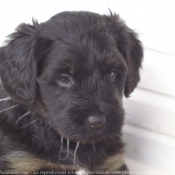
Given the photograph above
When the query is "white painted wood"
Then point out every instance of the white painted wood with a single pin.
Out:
(151, 111)
(158, 73)
(140, 168)
(149, 150)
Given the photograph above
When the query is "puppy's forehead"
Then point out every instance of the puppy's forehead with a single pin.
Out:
(79, 29)
(82, 40)
(83, 57)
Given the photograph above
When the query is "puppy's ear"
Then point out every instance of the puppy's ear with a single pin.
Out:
(133, 58)
(18, 63)
(130, 48)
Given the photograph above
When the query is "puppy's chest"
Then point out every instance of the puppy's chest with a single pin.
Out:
(24, 161)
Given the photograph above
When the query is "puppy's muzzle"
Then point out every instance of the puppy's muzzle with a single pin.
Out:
(96, 122)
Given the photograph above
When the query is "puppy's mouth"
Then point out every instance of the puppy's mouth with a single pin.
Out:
(87, 141)
(62, 149)
(85, 137)
(78, 143)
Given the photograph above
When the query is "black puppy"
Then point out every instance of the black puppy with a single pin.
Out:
(61, 100)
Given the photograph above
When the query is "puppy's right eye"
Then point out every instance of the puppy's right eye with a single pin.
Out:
(65, 80)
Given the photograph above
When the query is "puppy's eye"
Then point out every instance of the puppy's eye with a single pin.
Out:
(113, 74)
(65, 80)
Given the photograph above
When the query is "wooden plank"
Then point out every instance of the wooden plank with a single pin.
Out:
(151, 111)
(158, 73)
(153, 151)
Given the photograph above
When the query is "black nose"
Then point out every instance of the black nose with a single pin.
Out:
(96, 122)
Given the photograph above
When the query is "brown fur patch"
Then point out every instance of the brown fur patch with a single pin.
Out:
(24, 161)
(113, 163)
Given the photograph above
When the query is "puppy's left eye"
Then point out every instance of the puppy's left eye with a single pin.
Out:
(113, 74)
(65, 80)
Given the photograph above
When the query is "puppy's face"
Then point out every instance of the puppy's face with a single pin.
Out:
(81, 90)
(82, 64)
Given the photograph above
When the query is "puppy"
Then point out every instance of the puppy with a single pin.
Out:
(61, 101)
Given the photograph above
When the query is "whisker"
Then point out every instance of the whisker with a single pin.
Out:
(9, 108)
(22, 117)
(94, 147)
(67, 148)
(117, 141)
(117, 135)
(29, 123)
(62, 148)
(75, 152)
(5, 99)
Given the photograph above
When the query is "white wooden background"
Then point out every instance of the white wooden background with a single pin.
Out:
(149, 132)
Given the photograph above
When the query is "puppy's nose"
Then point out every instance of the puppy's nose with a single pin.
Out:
(96, 122)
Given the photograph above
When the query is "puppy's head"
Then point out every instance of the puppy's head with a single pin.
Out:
(74, 70)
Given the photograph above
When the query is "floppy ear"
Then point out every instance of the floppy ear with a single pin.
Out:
(18, 63)
(134, 60)
(130, 48)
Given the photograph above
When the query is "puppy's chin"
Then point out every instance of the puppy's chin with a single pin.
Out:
(88, 136)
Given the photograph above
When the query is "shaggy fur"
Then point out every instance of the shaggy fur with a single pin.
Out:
(59, 76)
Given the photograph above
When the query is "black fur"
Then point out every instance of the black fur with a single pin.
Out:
(75, 65)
